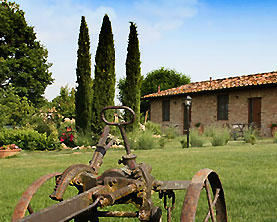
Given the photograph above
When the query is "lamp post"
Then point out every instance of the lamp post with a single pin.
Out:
(187, 104)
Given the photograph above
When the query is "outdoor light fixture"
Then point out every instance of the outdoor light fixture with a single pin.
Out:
(187, 101)
(187, 104)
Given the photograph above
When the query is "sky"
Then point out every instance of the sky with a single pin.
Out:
(199, 38)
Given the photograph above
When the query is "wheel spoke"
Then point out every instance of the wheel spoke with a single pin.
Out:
(208, 192)
(213, 204)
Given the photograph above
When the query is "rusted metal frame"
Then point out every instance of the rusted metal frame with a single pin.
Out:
(209, 197)
(24, 202)
(116, 214)
(65, 210)
(130, 161)
(146, 210)
(68, 175)
(110, 198)
(125, 139)
(164, 187)
(171, 185)
(134, 185)
(81, 203)
(170, 194)
(104, 136)
(101, 150)
(213, 204)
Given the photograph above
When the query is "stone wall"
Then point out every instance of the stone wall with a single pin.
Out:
(204, 109)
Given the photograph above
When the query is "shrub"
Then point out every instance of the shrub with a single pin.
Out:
(170, 132)
(84, 139)
(27, 139)
(275, 137)
(183, 143)
(195, 139)
(250, 136)
(142, 140)
(154, 127)
(220, 136)
(162, 142)
(43, 125)
(53, 142)
(210, 130)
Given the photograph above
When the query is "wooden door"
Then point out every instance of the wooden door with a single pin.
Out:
(254, 112)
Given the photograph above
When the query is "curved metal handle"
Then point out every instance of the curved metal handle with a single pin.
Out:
(118, 123)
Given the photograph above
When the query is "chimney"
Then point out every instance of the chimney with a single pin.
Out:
(159, 88)
(211, 79)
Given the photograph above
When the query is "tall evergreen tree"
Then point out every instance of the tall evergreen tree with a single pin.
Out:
(83, 97)
(23, 60)
(104, 79)
(133, 75)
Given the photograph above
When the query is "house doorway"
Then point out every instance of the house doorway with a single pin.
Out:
(186, 120)
(254, 111)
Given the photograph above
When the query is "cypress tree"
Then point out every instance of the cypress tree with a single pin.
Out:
(104, 79)
(83, 96)
(132, 84)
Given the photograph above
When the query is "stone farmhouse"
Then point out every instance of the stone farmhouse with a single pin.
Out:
(248, 100)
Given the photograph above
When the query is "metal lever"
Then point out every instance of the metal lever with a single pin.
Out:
(117, 123)
(120, 124)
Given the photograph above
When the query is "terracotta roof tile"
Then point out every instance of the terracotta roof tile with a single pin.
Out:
(220, 84)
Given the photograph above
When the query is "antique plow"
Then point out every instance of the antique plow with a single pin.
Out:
(132, 183)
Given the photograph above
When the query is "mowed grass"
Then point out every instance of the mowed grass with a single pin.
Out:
(248, 174)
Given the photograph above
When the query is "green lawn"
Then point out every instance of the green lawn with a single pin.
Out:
(248, 174)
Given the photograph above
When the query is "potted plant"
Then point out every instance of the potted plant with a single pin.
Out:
(9, 150)
(273, 128)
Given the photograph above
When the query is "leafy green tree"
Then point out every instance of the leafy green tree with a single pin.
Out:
(15, 110)
(65, 102)
(84, 93)
(23, 60)
(163, 78)
(104, 81)
(133, 76)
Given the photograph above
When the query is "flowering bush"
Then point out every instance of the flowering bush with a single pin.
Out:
(67, 137)
(67, 132)
(9, 147)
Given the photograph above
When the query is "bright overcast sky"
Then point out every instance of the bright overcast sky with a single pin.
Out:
(201, 38)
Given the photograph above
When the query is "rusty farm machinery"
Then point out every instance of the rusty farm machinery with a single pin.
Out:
(133, 183)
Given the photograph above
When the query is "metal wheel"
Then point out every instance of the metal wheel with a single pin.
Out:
(204, 187)
(24, 203)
